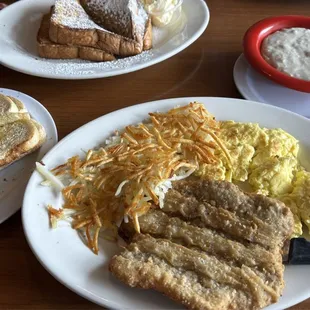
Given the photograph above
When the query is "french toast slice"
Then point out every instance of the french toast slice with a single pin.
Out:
(212, 246)
(48, 49)
(71, 25)
(124, 17)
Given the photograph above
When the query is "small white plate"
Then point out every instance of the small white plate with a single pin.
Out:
(14, 178)
(19, 24)
(254, 86)
(65, 256)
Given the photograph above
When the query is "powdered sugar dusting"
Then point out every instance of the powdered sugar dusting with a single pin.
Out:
(71, 14)
(124, 12)
(139, 17)
(82, 67)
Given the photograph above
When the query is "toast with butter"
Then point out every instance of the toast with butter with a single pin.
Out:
(7, 105)
(18, 139)
(7, 118)
(70, 24)
(19, 134)
(20, 106)
(11, 110)
(49, 49)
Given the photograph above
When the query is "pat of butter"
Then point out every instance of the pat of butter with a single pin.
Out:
(162, 11)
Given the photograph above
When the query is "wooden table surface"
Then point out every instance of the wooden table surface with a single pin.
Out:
(203, 69)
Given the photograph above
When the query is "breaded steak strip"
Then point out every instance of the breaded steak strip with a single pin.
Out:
(197, 280)
(224, 207)
(211, 247)
(160, 225)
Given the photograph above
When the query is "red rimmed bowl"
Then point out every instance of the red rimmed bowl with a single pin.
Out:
(252, 42)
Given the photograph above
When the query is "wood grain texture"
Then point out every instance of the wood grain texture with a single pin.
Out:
(203, 69)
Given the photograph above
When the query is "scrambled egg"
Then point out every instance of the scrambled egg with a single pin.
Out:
(273, 177)
(301, 193)
(241, 139)
(279, 144)
(234, 134)
(211, 171)
(291, 203)
(267, 160)
(241, 156)
(274, 165)
(299, 200)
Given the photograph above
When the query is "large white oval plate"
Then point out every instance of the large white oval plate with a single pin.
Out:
(64, 255)
(19, 24)
(14, 178)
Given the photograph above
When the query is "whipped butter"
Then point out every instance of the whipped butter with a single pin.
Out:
(162, 11)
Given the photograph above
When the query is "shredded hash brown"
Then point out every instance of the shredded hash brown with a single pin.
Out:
(135, 169)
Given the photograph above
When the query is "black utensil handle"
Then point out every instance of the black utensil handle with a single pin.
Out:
(299, 253)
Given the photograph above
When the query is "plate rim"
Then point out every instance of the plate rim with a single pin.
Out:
(242, 72)
(112, 72)
(88, 295)
(42, 151)
(237, 76)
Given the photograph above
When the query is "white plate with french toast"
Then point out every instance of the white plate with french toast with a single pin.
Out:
(92, 276)
(27, 132)
(76, 42)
